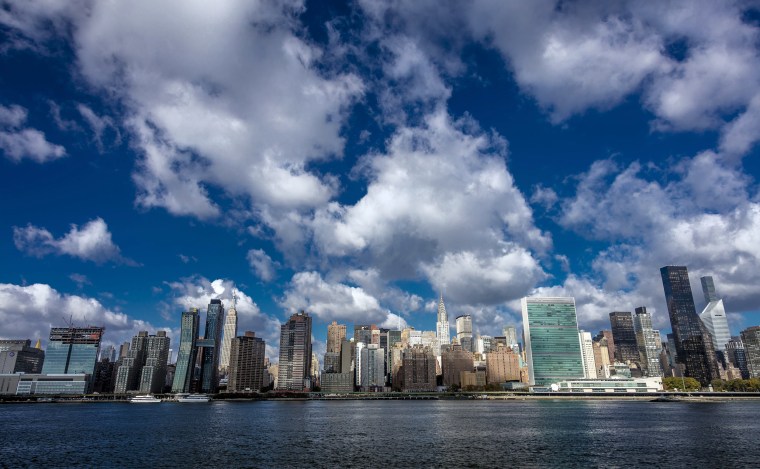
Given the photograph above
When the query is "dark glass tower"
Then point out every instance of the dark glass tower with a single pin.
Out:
(624, 335)
(694, 346)
(211, 343)
(183, 374)
(295, 353)
(72, 350)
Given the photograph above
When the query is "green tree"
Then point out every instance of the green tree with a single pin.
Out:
(682, 384)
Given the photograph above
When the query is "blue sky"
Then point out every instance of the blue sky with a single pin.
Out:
(355, 159)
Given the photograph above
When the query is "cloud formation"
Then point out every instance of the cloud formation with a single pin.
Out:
(18, 142)
(91, 242)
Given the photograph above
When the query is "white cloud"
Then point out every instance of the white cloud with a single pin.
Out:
(29, 311)
(18, 142)
(98, 124)
(332, 300)
(91, 243)
(197, 292)
(442, 187)
(262, 264)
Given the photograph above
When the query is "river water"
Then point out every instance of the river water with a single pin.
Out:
(330, 434)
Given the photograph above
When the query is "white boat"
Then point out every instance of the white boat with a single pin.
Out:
(193, 398)
(145, 399)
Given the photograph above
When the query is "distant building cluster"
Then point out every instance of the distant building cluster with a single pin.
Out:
(550, 354)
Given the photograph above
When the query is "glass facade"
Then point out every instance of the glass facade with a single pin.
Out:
(72, 350)
(185, 367)
(694, 346)
(212, 344)
(551, 340)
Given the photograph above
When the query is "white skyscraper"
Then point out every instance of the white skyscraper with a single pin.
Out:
(464, 331)
(587, 353)
(714, 315)
(442, 327)
(230, 332)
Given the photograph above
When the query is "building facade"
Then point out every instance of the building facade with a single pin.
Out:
(153, 373)
(714, 315)
(418, 369)
(187, 353)
(442, 333)
(454, 360)
(372, 368)
(624, 334)
(72, 350)
(649, 342)
(552, 348)
(295, 353)
(587, 353)
(694, 346)
(502, 365)
(335, 335)
(246, 371)
(230, 332)
(18, 356)
(751, 340)
(464, 331)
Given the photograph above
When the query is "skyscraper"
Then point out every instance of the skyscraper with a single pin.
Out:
(72, 350)
(587, 352)
(230, 332)
(649, 342)
(246, 363)
(295, 353)
(211, 343)
(18, 356)
(714, 315)
(551, 340)
(502, 365)
(442, 327)
(183, 374)
(694, 346)
(626, 348)
(510, 334)
(128, 372)
(335, 334)
(464, 332)
(372, 368)
(153, 373)
(453, 361)
(751, 340)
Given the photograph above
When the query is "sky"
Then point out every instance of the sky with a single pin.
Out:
(358, 159)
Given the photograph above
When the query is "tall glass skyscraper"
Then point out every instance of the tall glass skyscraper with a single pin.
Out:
(183, 374)
(694, 346)
(714, 315)
(211, 343)
(72, 350)
(626, 348)
(649, 341)
(552, 344)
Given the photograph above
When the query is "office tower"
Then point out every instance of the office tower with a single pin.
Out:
(442, 327)
(694, 346)
(673, 356)
(587, 354)
(295, 353)
(18, 356)
(332, 362)
(417, 372)
(464, 331)
(510, 333)
(345, 356)
(230, 332)
(108, 352)
(736, 354)
(552, 348)
(610, 341)
(601, 357)
(453, 361)
(502, 365)
(751, 340)
(485, 343)
(211, 345)
(714, 315)
(72, 350)
(372, 368)
(649, 342)
(358, 347)
(187, 353)
(246, 371)
(105, 376)
(626, 348)
(335, 334)
(363, 333)
(128, 373)
(153, 373)
(123, 350)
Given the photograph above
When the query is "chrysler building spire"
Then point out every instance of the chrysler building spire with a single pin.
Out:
(442, 326)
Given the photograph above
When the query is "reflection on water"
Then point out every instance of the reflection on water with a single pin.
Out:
(382, 433)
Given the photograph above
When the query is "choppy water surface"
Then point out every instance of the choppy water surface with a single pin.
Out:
(332, 434)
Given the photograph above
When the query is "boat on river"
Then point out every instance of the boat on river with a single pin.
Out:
(198, 398)
(145, 399)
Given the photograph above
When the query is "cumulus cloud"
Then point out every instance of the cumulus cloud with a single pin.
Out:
(91, 242)
(262, 264)
(18, 142)
(704, 217)
(197, 292)
(437, 189)
(29, 311)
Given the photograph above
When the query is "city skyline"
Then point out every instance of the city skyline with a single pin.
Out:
(357, 159)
